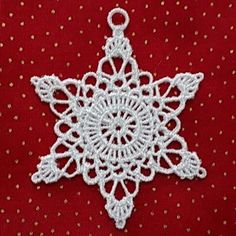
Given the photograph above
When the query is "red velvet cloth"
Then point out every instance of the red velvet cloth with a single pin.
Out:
(65, 38)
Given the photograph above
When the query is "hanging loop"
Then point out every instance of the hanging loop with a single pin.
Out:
(118, 28)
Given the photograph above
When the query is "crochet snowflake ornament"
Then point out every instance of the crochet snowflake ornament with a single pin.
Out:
(117, 127)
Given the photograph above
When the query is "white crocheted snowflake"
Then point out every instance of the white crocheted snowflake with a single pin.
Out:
(117, 127)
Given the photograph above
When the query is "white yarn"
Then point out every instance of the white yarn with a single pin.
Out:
(118, 126)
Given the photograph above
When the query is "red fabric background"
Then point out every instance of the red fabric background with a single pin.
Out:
(65, 38)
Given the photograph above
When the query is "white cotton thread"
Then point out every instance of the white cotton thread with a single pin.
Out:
(118, 125)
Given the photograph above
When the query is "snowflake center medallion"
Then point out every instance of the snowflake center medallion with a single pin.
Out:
(122, 127)
(118, 127)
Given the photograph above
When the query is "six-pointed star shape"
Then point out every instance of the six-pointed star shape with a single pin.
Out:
(117, 127)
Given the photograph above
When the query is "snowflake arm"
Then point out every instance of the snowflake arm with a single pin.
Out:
(171, 155)
(185, 84)
(57, 93)
(55, 165)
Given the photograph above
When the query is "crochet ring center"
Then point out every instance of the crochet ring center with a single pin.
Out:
(118, 127)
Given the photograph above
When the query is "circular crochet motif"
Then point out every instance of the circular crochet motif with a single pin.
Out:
(118, 127)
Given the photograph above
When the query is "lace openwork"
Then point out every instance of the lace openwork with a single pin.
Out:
(117, 126)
